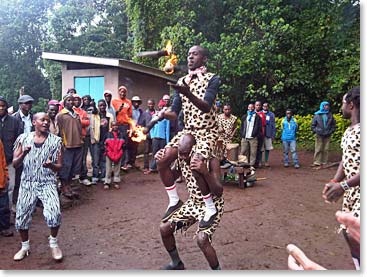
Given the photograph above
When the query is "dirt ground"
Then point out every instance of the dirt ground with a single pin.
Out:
(119, 229)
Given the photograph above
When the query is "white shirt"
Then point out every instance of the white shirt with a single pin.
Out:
(27, 122)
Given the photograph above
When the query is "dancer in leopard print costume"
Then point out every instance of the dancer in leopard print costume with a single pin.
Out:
(346, 181)
(193, 210)
(195, 95)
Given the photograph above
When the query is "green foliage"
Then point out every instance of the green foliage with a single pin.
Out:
(40, 105)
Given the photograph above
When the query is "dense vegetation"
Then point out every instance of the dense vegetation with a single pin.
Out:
(292, 53)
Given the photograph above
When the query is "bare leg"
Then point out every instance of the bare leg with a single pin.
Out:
(54, 231)
(164, 166)
(208, 250)
(169, 242)
(24, 234)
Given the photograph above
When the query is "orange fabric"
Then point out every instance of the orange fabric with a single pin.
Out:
(3, 168)
(124, 116)
(84, 118)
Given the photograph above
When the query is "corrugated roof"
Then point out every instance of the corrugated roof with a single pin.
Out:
(108, 62)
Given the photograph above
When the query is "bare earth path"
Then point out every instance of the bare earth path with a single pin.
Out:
(119, 229)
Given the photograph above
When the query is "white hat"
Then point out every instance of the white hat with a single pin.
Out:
(136, 99)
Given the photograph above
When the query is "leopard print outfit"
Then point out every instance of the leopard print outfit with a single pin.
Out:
(193, 209)
(351, 145)
(226, 136)
(203, 126)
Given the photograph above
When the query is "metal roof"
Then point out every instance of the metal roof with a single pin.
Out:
(121, 63)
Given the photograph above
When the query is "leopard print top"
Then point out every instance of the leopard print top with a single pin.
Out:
(194, 118)
(351, 145)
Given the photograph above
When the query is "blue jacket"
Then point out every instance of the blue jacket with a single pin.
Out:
(289, 129)
(160, 130)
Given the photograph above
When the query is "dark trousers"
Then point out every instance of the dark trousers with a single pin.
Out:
(18, 175)
(147, 150)
(157, 144)
(86, 146)
(260, 142)
(4, 210)
(133, 151)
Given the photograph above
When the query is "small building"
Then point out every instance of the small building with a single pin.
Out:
(92, 75)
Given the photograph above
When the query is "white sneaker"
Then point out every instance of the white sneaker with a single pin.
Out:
(94, 181)
(21, 254)
(56, 253)
(85, 182)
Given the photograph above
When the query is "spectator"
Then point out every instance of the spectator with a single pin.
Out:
(41, 155)
(85, 121)
(269, 132)
(10, 129)
(173, 122)
(289, 131)
(250, 130)
(346, 181)
(4, 196)
(261, 136)
(52, 111)
(145, 119)
(99, 127)
(133, 145)
(70, 130)
(160, 137)
(323, 125)
(25, 113)
(108, 97)
(114, 152)
(123, 108)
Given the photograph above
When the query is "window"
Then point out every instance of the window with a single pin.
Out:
(94, 86)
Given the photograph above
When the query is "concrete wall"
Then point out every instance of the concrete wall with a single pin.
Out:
(110, 77)
(144, 86)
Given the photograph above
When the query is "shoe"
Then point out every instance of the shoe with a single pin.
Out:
(128, 166)
(106, 186)
(85, 182)
(179, 266)
(286, 165)
(102, 180)
(6, 233)
(94, 181)
(171, 210)
(315, 165)
(147, 172)
(267, 164)
(21, 254)
(56, 253)
(296, 166)
(116, 186)
(206, 224)
(124, 168)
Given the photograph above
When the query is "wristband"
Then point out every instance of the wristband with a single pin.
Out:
(344, 185)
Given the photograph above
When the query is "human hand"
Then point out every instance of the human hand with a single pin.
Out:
(198, 165)
(351, 222)
(332, 192)
(160, 154)
(27, 149)
(185, 90)
(297, 260)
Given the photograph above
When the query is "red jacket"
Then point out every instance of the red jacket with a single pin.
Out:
(114, 143)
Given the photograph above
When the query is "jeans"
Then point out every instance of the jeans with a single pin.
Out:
(290, 145)
(98, 160)
(4, 210)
